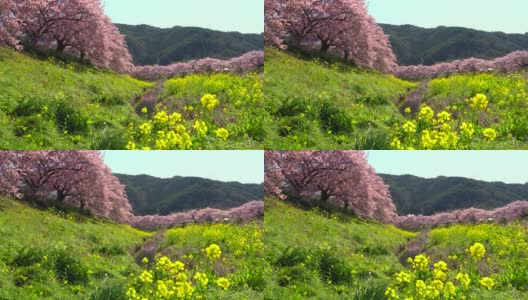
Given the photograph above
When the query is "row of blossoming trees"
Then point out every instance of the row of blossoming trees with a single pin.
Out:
(82, 179)
(343, 27)
(80, 27)
(344, 179)
(505, 64)
(513, 211)
(247, 212)
(246, 62)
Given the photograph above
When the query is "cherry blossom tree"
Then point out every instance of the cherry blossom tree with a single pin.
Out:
(338, 26)
(330, 179)
(9, 175)
(9, 24)
(78, 178)
(77, 27)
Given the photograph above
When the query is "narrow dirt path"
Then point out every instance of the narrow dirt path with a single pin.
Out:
(414, 247)
(150, 247)
(150, 98)
(414, 98)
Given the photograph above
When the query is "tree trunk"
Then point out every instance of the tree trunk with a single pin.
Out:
(323, 199)
(324, 46)
(61, 46)
(60, 196)
(347, 55)
(81, 207)
(82, 55)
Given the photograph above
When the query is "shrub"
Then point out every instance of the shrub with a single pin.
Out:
(334, 118)
(69, 268)
(70, 119)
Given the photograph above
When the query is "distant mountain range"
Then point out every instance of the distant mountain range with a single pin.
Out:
(416, 45)
(153, 195)
(151, 45)
(417, 195)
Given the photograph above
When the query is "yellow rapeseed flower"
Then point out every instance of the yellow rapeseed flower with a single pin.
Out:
(210, 101)
(146, 277)
(479, 102)
(477, 251)
(490, 134)
(467, 129)
(487, 282)
(223, 283)
(409, 126)
(426, 113)
(200, 127)
(213, 252)
(222, 133)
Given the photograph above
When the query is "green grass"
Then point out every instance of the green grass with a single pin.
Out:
(54, 255)
(322, 255)
(55, 105)
(319, 105)
(51, 254)
(316, 255)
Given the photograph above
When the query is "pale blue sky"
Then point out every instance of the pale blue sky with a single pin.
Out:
(509, 16)
(241, 166)
(505, 166)
(246, 16)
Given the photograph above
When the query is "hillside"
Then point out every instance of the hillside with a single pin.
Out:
(415, 45)
(50, 104)
(321, 103)
(52, 254)
(319, 255)
(417, 195)
(327, 105)
(151, 195)
(163, 46)
(56, 103)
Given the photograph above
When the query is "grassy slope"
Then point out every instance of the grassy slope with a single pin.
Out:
(91, 247)
(370, 252)
(49, 104)
(365, 249)
(100, 257)
(295, 90)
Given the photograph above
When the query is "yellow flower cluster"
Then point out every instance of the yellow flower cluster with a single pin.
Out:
(490, 134)
(479, 102)
(209, 101)
(477, 251)
(441, 283)
(201, 279)
(200, 127)
(213, 252)
(222, 133)
(464, 279)
(169, 280)
(420, 262)
(487, 282)
(430, 132)
(223, 283)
